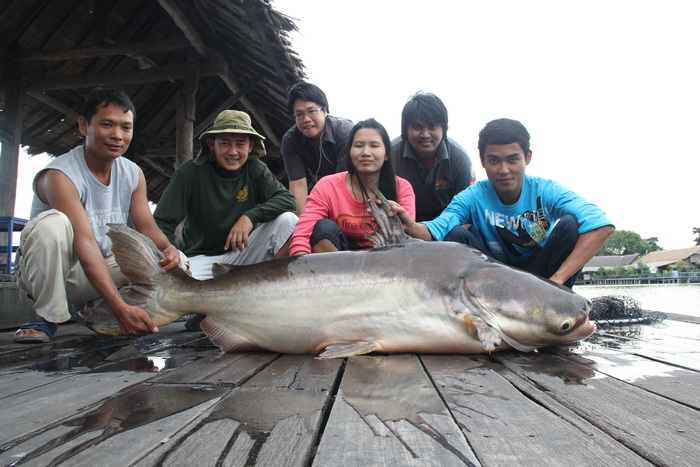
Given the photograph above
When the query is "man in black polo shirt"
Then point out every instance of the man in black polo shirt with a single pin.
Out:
(315, 146)
(436, 165)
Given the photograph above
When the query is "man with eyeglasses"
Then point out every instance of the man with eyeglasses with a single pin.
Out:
(315, 146)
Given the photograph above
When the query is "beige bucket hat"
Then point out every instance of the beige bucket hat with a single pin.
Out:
(230, 121)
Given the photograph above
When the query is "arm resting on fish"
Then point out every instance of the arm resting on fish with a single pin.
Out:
(411, 227)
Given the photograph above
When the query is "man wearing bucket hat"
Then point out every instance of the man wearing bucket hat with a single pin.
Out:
(232, 207)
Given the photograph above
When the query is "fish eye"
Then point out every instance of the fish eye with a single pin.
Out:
(565, 325)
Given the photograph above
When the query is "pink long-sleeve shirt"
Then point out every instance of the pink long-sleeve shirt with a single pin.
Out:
(330, 199)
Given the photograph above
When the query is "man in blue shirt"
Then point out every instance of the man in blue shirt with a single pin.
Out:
(528, 222)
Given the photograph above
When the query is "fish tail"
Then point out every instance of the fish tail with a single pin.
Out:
(137, 255)
(138, 258)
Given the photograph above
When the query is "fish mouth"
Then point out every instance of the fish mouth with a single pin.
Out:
(584, 330)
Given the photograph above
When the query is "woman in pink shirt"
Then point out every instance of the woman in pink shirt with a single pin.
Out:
(336, 210)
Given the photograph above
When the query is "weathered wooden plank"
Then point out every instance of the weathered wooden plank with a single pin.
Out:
(688, 329)
(25, 413)
(264, 426)
(219, 368)
(387, 412)
(82, 345)
(15, 452)
(678, 384)
(673, 342)
(506, 427)
(273, 420)
(660, 430)
(684, 318)
(17, 381)
(97, 439)
(102, 354)
(199, 447)
(298, 372)
(282, 423)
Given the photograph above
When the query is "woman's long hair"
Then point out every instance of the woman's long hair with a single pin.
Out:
(387, 176)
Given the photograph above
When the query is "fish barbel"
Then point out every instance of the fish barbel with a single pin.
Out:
(423, 297)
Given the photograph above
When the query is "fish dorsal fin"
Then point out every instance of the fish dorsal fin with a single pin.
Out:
(221, 269)
(390, 231)
(349, 349)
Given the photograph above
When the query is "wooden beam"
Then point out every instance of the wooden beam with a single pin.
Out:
(55, 104)
(6, 137)
(152, 75)
(134, 49)
(158, 167)
(181, 21)
(186, 107)
(9, 155)
(259, 116)
(10, 32)
(206, 121)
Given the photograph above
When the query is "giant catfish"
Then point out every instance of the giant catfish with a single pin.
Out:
(410, 296)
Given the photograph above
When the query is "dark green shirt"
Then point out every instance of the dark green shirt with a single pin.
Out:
(210, 200)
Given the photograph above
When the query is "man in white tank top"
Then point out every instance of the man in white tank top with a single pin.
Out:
(65, 254)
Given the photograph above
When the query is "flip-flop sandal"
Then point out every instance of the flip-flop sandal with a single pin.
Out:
(40, 325)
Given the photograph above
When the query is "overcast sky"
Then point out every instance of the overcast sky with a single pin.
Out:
(608, 89)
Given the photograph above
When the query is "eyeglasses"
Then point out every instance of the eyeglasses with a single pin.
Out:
(308, 113)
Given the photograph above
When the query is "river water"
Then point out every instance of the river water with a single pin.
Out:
(683, 299)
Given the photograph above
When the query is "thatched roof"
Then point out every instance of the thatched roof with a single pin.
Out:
(165, 54)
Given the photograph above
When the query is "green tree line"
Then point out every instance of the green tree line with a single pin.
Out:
(626, 242)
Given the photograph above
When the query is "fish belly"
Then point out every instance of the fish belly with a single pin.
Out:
(302, 314)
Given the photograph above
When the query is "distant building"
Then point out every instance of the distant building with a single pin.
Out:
(660, 260)
(609, 262)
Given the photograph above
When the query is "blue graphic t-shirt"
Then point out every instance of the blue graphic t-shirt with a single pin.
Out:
(514, 234)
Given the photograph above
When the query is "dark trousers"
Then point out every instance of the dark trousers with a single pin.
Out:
(329, 230)
(559, 245)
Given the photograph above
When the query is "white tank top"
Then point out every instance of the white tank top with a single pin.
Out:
(103, 204)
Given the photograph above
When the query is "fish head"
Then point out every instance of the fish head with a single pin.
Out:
(528, 311)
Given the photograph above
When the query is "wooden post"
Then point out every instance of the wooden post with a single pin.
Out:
(12, 131)
(186, 106)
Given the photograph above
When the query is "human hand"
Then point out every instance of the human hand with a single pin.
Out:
(237, 239)
(134, 321)
(171, 260)
(398, 210)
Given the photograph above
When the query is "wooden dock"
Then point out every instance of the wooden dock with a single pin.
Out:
(627, 396)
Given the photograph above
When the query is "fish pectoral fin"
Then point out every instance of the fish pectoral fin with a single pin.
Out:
(226, 339)
(350, 349)
(489, 336)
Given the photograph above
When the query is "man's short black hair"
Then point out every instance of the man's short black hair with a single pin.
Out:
(104, 97)
(427, 107)
(504, 131)
(307, 92)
